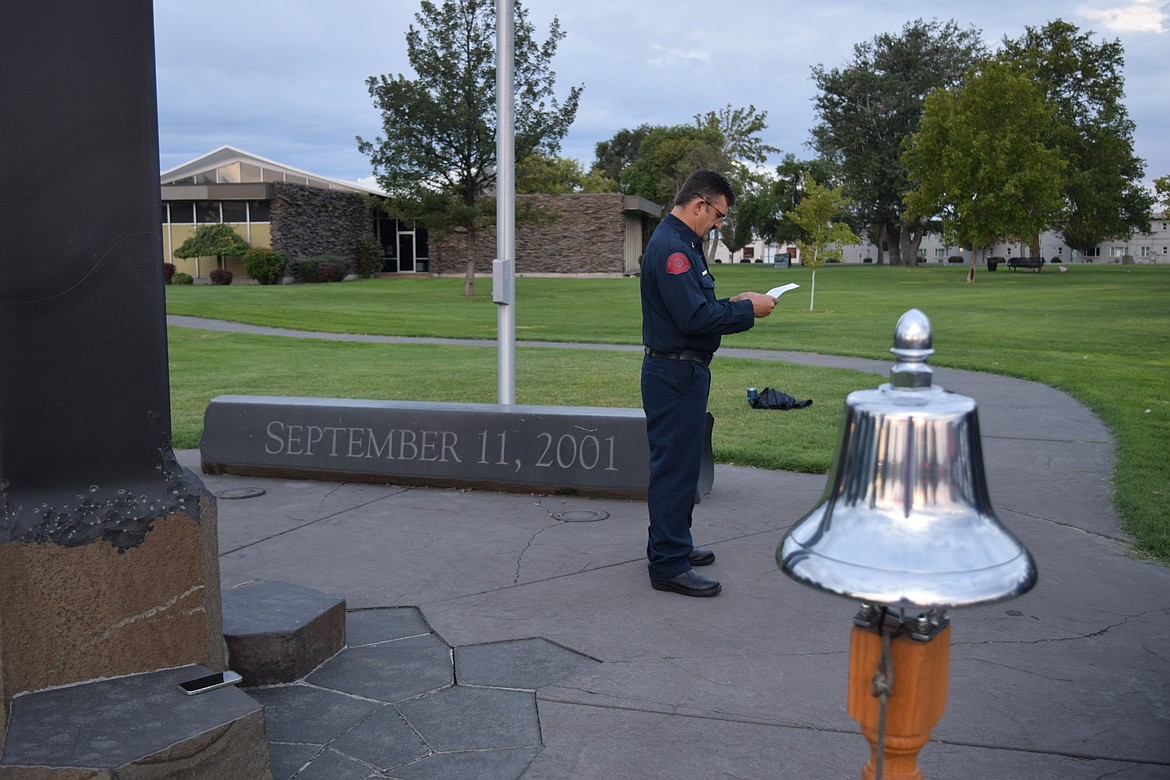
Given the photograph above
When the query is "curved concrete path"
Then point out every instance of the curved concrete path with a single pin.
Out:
(1071, 680)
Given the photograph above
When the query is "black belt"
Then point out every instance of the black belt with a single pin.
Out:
(686, 354)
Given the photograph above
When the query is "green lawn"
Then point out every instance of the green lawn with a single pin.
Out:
(1100, 333)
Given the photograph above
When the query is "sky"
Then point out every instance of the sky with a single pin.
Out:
(285, 79)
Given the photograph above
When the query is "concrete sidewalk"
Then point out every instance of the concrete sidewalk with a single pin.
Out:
(1071, 680)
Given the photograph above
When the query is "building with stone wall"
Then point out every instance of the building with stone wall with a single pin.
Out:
(294, 212)
(602, 234)
(301, 214)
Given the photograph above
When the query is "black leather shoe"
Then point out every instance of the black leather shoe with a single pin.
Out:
(700, 556)
(689, 584)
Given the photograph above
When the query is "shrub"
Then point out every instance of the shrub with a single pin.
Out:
(182, 278)
(213, 240)
(168, 272)
(305, 270)
(221, 276)
(955, 259)
(264, 265)
(370, 257)
(325, 268)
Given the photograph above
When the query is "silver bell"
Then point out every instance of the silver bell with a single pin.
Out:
(905, 519)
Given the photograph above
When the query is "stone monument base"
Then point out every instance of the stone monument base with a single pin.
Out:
(140, 726)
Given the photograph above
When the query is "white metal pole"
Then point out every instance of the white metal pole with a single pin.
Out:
(504, 266)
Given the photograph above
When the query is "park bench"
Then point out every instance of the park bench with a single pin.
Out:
(1030, 263)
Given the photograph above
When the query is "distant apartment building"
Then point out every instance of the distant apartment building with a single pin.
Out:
(1150, 247)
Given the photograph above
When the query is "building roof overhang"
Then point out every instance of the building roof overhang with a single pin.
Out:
(225, 155)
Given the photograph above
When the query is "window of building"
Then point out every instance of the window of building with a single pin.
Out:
(182, 212)
(1146, 251)
(940, 252)
(228, 174)
(250, 173)
(235, 211)
(1117, 251)
(259, 211)
(207, 211)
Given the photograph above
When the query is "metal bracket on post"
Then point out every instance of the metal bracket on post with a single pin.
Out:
(503, 281)
(920, 624)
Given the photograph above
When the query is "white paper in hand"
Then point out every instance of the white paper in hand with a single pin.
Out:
(776, 292)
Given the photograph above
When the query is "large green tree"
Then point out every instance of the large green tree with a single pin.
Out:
(540, 173)
(986, 180)
(868, 107)
(618, 153)
(1083, 80)
(740, 129)
(667, 156)
(437, 155)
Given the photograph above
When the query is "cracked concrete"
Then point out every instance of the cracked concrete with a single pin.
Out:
(1069, 681)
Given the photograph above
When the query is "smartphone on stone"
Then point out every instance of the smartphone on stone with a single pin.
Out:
(210, 682)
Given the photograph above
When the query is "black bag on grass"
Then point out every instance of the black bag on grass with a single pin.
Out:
(774, 399)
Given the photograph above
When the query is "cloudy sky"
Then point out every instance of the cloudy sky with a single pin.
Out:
(285, 79)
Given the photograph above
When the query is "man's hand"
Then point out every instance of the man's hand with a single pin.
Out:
(762, 305)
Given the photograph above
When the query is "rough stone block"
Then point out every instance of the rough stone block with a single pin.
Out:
(277, 632)
(97, 611)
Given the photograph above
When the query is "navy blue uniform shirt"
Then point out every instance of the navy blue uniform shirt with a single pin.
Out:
(679, 307)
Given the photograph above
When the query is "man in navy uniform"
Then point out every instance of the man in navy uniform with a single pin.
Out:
(682, 322)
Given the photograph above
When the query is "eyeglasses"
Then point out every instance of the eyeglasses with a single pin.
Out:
(721, 214)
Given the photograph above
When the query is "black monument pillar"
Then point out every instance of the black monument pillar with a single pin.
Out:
(108, 559)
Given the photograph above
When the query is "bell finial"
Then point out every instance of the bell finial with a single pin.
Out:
(912, 348)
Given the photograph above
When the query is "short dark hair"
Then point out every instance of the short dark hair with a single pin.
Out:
(704, 184)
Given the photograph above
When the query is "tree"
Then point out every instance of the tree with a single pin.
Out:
(741, 148)
(214, 239)
(740, 129)
(816, 214)
(618, 153)
(987, 180)
(437, 157)
(869, 107)
(666, 157)
(771, 205)
(539, 173)
(1162, 189)
(737, 230)
(1093, 131)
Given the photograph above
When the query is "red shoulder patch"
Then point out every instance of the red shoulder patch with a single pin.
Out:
(677, 264)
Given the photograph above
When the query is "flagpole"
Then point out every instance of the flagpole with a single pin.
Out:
(504, 266)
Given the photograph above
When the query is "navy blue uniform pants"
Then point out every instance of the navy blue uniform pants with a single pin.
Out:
(674, 397)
